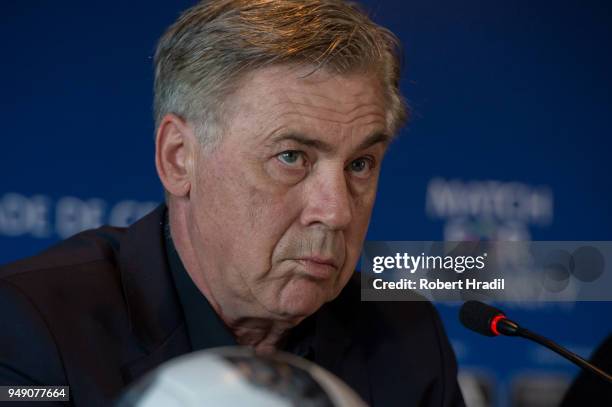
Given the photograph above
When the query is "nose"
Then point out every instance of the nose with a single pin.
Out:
(328, 200)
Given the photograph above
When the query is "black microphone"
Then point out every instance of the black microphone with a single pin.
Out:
(490, 321)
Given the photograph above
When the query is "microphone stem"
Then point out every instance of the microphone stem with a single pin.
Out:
(525, 333)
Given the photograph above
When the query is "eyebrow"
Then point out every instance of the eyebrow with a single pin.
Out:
(328, 148)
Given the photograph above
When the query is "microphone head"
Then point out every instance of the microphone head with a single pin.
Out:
(480, 317)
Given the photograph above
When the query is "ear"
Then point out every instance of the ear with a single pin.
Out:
(174, 144)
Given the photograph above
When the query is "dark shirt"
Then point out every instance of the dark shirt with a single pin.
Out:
(204, 327)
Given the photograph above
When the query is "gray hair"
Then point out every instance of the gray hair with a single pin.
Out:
(206, 51)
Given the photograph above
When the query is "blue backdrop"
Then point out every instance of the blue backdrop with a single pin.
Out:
(509, 139)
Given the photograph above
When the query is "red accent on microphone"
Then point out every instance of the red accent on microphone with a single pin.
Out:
(494, 322)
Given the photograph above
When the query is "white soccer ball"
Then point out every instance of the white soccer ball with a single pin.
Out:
(236, 376)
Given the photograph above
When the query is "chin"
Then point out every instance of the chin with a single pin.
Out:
(303, 297)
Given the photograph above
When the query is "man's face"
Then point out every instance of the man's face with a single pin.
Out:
(280, 207)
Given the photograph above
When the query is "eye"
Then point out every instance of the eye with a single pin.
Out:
(362, 167)
(292, 158)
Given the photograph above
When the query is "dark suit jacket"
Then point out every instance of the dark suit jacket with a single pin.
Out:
(99, 310)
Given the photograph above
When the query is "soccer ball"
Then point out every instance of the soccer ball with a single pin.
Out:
(236, 376)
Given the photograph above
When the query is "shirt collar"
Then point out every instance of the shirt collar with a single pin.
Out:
(204, 327)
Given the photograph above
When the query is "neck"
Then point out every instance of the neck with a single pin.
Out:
(250, 324)
(264, 336)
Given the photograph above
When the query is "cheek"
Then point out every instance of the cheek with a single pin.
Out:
(355, 236)
(362, 210)
(267, 218)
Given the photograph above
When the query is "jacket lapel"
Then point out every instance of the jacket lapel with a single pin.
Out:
(155, 316)
(177, 344)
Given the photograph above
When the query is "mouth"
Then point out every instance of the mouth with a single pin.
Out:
(319, 268)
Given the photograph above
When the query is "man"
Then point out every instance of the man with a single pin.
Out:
(272, 121)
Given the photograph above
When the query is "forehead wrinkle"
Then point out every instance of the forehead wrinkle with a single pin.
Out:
(376, 110)
(344, 121)
(331, 104)
(310, 95)
(289, 108)
(336, 111)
